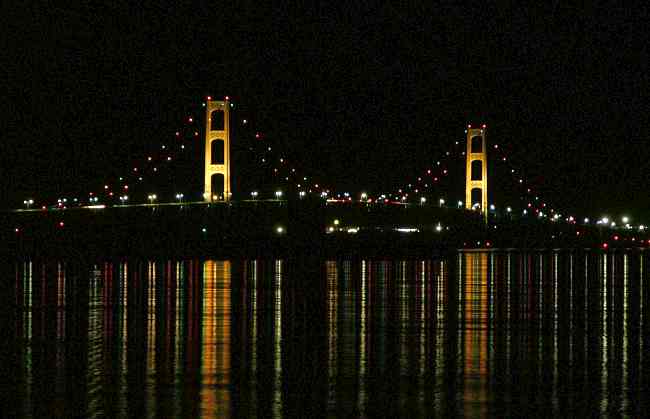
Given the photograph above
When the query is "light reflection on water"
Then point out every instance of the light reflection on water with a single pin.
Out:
(478, 334)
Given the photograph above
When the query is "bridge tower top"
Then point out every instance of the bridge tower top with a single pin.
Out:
(476, 181)
(217, 151)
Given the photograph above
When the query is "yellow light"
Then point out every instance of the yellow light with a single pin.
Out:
(336, 222)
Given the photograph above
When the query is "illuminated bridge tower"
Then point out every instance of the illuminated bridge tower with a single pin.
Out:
(476, 173)
(217, 151)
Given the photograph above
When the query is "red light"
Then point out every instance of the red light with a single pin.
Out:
(227, 97)
(616, 237)
(483, 126)
(577, 233)
(257, 135)
(178, 134)
(17, 230)
(469, 125)
(605, 245)
(190, 119)
(61, 224)
(126, 187)
(488, 244)
(110, 194)
(209, 97)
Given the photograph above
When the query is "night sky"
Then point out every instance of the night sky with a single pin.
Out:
(364, 97)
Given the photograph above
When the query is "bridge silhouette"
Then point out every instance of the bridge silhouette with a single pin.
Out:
(217, 124)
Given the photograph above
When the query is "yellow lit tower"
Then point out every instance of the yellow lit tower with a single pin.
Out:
(476, 173)
(217, 150)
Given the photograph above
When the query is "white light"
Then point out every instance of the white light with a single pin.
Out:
(508, 209)
(460, 204)
(586, 220)
(492, 207)
(438, 228)
(423, 200)
(279, 230)
(407, 230)
(625, 220)
(330, 229)
(525, 212)
(641, 227)
(613, 224)
(364, 196)
(353, 230)
(604, 220)
(302, 194)
(254, 194)
(278, 194)
(336, 222)
(441, 201)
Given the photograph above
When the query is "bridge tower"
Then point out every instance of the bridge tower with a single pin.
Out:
(476, 180)
(217, 151)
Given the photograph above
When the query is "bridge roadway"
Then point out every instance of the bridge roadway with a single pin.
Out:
(280, 227)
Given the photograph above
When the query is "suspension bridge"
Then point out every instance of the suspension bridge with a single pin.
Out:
(302, 208)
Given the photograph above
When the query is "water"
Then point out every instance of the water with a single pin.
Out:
(477, 334)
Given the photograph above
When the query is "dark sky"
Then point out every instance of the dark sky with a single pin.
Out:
(365, 97)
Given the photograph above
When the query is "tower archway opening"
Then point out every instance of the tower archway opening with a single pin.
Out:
(477, 170)
(217, 120)
(217, 151)
(477, 144)
(217, 182)
(477, 198)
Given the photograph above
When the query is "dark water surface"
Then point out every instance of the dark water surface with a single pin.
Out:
(477, 334)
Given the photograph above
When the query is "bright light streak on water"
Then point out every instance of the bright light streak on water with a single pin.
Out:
(479, 334)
